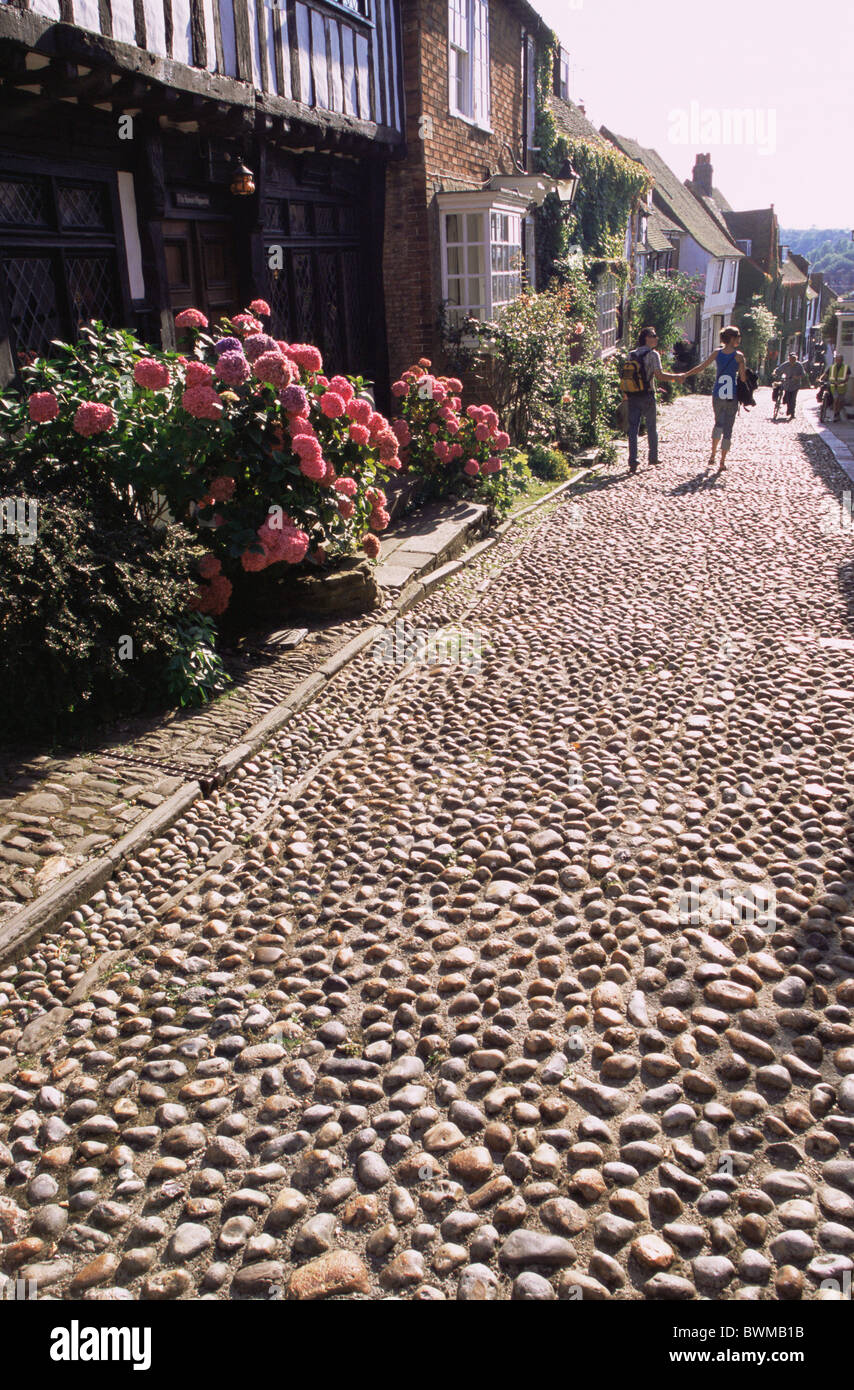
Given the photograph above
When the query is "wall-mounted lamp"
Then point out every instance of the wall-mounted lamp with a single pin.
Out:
(242, 182)
(567, 183)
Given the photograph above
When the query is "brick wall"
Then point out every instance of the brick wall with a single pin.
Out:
(452, 150)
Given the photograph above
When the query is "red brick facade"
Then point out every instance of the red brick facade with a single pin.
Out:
(453, 153)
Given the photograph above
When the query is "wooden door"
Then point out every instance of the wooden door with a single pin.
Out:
(201, 267)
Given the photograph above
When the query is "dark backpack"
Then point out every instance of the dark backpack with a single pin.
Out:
(744, 389)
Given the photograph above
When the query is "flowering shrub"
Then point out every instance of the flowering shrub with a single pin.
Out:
(242, 437)
(454, 450)
(540, 363)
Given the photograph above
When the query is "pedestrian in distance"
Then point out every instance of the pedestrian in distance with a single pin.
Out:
(730, 368)
(637, 383)
(792, 377)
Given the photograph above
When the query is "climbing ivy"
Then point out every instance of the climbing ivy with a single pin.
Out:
(610, 186)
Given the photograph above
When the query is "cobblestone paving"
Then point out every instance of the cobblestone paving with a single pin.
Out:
(536, 982)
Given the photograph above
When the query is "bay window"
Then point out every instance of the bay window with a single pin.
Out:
(482, 253)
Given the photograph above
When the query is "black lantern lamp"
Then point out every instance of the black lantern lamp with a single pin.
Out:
(567, 183)
(242, 182)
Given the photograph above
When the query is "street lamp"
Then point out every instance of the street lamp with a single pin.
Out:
(242, 182)
(567, 183)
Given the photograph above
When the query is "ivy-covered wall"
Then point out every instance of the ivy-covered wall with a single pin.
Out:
(610, 186)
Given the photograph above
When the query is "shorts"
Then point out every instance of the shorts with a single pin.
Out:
(725, 413)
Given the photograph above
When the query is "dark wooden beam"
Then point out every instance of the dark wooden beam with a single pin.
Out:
(242, 40)
(105, 16)
(199, 37)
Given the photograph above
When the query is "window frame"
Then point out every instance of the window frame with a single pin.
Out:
(733, 276)
(475, 87)
(717, 282)
(607, 288)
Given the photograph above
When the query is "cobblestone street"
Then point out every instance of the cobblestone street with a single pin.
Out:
(530, 979)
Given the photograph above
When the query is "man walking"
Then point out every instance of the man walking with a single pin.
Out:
(792, 376)
(642, 403)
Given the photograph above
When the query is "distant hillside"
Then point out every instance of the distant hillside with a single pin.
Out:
(831, 251)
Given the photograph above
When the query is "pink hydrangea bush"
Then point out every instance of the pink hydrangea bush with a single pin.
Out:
(454, 449)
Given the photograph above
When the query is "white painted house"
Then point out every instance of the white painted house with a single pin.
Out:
(702, 248)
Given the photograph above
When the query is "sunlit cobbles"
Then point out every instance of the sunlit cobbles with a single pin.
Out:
(449, 844)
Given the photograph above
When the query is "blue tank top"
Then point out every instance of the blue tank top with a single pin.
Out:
(726, 365)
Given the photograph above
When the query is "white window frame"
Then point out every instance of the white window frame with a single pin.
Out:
(745, 246)
(468, 61)
(733, 276)
(561, 84)
(477, 285)
(717, 277)
(607, 299)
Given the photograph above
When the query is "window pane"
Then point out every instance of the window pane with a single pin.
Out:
(476, 291)
(475, 257)
(454, 227)
(455, 260)
(474, 226)
(455, 288)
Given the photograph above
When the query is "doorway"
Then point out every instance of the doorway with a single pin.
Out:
(201, 267)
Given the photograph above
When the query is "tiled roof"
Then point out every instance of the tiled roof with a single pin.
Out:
(757, 227)
(657, 227)
(676, 200)
(791, 274)
(570, 120)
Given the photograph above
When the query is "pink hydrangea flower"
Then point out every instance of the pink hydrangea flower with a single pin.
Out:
(272, 367)
(42, 406)
(306, 356)
(456, 451)
(360, 434)
(295, 545)
(472, 467)
(294, 400)
(347, 487)
(453, 425)
(209, 565)
(232, 368)
(502, 439)
(473, 412)
(402, 433)
(360, 410)
(260, 306)
(481, 433)
(346, 508)
(255, 560)
(258, 343)
(379, 519)
(332, 404)
(307, 448)
(202, 402)
(454, 383)
(222, 489)
(300, 424)
(190, 318)
(93, 418)
(213, 597)
(432, 428)
(371, 546)
(442, 450)
(342, 387)
(314, 468)
(247, 324)
(492, 465)
(399, 388)
(198, 374)
(151, 374)
(388, 445)
(377, 423)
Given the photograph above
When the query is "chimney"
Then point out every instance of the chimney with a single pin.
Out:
(701, 177)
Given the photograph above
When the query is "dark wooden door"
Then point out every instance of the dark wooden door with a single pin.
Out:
(201, 267)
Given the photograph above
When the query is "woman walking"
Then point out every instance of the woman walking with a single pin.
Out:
(730, 367)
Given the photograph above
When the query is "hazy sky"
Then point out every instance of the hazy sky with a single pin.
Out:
(668, 73)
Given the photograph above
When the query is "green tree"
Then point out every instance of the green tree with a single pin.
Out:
(758, 326)
(663, 300)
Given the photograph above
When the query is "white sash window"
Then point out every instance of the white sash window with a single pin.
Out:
(468, 60)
